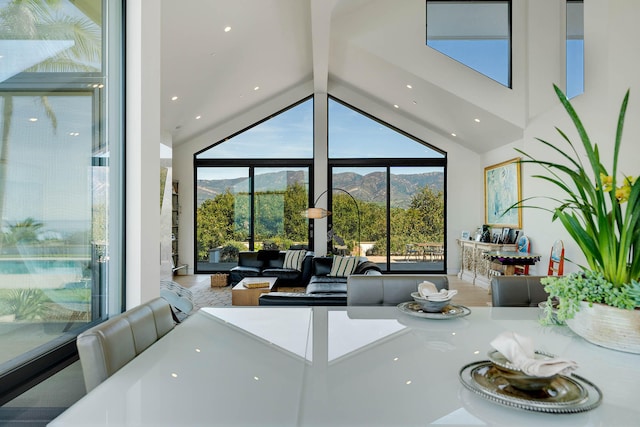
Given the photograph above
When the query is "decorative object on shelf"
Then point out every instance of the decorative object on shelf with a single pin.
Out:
(601, 212)
(318, 213)
(502, 190)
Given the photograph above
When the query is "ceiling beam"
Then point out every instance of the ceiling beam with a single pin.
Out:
(320, 41)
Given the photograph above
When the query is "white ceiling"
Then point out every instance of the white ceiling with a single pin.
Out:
(373, 47)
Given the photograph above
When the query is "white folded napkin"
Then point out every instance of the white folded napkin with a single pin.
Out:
(443, 295)
(519, 350)
(427, 288)
(430, 292)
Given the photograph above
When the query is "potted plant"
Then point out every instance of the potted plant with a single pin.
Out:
(601, 211)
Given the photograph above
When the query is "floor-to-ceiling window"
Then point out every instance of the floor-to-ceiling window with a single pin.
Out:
(60, 149)
(252, 188)
(398, 185)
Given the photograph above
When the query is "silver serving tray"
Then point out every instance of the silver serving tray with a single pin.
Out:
(450, 311)
(569, 394)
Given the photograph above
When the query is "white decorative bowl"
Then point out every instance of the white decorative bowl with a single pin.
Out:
(430, 306)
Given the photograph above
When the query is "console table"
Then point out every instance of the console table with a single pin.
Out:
(509, 259)
(474, 266)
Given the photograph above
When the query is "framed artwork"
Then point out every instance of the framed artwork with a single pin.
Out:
(502, 189)
(465, 235)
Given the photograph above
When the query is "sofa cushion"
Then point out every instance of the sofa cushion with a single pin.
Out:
(249, 259)
(328, 285)
(299, 298)
(281, 273)
(343, 266)
(322, 265)
(293, 259)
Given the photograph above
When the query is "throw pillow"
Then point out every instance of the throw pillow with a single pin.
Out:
(343, 266)
(293, 259)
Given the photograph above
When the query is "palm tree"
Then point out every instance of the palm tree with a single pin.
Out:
(42, 20)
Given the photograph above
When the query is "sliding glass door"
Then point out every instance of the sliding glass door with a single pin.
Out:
(248, 208)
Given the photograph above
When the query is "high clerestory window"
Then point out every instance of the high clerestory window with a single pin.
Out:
(575, 47)
(475, 33)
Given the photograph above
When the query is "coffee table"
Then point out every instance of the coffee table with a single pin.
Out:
(241, 295)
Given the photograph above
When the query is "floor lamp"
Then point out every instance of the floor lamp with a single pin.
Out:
(319, 213)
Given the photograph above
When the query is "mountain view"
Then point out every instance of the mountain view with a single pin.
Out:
(371, 187)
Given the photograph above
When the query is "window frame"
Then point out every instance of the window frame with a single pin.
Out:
(388, 163)
(510, 28)
(42, 362)
(251, 164)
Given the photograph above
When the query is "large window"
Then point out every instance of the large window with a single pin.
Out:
(475, 33)
(252, 187)
(575, 48)
(398, 185)
(60, 148)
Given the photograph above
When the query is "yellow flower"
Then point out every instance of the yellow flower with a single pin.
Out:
(622, 193)
(607, 182)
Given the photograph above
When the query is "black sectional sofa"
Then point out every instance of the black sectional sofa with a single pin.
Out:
(320, 282)
(267, 263)
(322, 288)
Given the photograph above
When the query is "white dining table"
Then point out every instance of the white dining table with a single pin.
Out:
(342, 366)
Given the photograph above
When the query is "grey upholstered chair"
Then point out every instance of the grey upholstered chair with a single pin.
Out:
(517, 291)
(107, 347)
(388, 289)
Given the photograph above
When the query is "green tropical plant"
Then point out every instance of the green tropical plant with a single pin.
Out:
(600, 211)
(27, 304)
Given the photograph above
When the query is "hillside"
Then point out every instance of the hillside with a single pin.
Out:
(371, 187)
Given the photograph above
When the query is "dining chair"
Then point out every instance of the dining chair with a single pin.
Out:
(110, 345)
(411, 251)
(388, 289)
(517, 291)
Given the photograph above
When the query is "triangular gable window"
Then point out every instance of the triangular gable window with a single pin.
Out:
(285, 135)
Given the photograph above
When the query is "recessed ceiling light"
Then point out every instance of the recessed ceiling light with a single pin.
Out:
(1, 56)
(396, 106)
(227, 29)
(74, 133)
(174, 98)
(453, 134)
(409, 87)
(198, 117)
(256, 88)
(415, 102)
(33, 119)
(476, 120)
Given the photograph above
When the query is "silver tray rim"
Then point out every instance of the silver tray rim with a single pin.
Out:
(404, 307)
(592, 400)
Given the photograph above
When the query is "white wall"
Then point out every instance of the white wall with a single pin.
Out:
(142, 153)
(612, 65)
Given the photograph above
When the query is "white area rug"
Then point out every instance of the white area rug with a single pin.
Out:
(206, 296)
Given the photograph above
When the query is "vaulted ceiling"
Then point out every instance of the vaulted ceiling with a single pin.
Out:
(371, 47)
